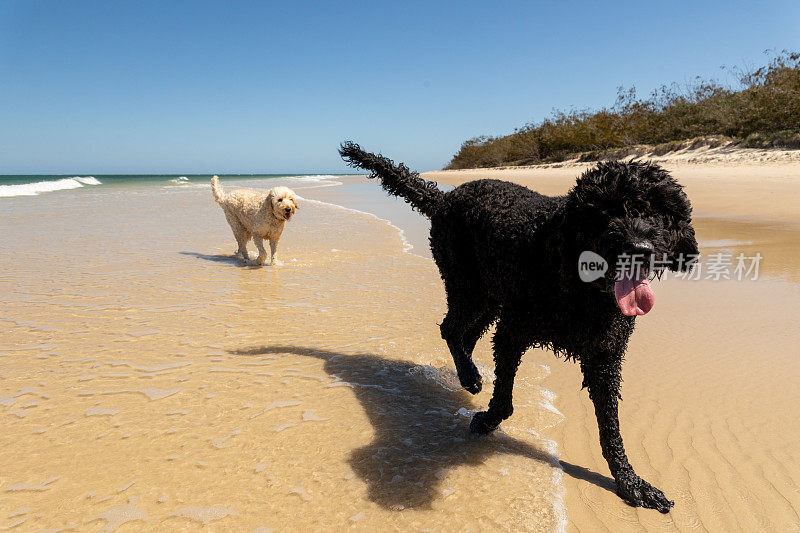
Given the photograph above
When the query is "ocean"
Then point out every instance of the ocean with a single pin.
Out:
(34, 184)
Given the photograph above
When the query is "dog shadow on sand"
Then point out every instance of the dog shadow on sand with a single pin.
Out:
(229, 259)
(419, 433)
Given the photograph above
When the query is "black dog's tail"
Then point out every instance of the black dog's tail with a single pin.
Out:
(397, 179)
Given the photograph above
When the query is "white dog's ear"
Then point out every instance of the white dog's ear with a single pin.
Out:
(296, 203)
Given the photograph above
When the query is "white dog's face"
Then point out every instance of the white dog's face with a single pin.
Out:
(284, 202)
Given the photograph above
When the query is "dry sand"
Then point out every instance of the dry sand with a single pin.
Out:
(709, 411)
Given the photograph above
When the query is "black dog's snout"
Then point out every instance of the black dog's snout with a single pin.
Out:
(639, 248)
(287, 209)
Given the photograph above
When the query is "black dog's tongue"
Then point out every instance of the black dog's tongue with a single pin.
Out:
(634, 295)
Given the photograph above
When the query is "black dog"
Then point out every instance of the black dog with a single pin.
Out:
(511, 255)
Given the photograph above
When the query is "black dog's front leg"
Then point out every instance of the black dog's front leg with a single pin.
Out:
(603, 381)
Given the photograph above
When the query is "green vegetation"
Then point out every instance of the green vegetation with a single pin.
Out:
(762, 111)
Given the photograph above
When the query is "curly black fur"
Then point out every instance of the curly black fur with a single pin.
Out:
(510, 255)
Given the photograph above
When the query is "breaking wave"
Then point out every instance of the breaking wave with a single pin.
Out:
(38, 187)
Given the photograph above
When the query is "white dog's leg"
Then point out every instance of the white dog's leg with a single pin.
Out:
(242, 251)
(240, 233)
(262, 253)
(273, 248)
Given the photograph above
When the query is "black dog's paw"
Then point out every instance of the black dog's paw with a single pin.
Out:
(639, 493)
(480, 424)
(471, 380)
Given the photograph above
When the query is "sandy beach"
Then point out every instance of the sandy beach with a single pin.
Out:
(163, 369)
(151, 382)
(710, 376)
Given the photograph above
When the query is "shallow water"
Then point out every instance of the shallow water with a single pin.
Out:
(151, 382)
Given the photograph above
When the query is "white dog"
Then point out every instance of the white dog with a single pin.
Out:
(256, 214)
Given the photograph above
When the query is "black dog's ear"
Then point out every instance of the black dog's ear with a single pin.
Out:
(683, 247)
(667, 197)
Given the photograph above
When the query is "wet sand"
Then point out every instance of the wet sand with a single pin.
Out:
(710, 379)
(150, 382)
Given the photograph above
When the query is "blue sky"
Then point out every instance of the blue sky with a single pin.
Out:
(180, 87)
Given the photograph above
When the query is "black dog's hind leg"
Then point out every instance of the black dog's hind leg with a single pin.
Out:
(469, 314)
(453, 328)
(473, 333)
(510, 343)
(468, 373)
(603, 380)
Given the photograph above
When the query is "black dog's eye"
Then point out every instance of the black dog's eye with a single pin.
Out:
(600, 215)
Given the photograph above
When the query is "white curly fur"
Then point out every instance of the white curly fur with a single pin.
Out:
(258, 215)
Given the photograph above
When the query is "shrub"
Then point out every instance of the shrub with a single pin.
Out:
(763, 111)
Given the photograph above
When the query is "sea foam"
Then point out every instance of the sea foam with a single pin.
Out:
(313, 181)
(32, 189)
